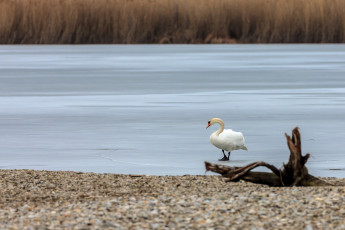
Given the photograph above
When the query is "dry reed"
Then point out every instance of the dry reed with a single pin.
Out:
(171, 21)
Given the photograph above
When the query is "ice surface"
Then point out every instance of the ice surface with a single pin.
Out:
(143, 109)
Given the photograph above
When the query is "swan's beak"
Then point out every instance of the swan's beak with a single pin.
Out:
(208, 125)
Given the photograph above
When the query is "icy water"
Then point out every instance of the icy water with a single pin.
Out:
(143, 109)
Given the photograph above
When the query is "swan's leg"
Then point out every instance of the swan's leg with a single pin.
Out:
(224, 158)
(229, 155)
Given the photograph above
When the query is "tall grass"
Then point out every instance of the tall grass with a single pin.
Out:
(171, 21)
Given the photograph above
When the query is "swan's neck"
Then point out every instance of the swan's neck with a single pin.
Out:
(221, 126)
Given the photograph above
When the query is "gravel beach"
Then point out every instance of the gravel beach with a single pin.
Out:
(70, 200)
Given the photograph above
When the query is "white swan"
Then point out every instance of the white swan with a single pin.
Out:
(226, 139)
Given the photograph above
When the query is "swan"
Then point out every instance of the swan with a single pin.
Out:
(226, 139)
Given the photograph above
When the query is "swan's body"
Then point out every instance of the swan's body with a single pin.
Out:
(226, 139)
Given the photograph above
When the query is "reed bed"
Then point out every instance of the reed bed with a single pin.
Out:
(171, 21)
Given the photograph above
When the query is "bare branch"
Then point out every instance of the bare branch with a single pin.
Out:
(294, 173)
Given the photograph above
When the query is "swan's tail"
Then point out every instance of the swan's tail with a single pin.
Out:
(244, 148)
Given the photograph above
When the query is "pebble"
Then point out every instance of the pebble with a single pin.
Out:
(32, 199)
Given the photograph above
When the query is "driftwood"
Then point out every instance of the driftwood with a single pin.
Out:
(294, 173)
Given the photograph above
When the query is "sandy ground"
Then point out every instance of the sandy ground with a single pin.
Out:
(71, 200)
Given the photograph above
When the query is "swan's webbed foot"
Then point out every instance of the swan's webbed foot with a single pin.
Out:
(224, 159)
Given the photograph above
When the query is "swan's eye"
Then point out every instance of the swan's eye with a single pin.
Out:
(209, 122)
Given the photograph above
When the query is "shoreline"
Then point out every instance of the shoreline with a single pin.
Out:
(32, 199)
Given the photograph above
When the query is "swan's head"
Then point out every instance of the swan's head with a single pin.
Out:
(215, 120)
(211, 122)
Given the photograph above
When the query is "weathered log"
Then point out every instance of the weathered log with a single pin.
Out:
(294, 173)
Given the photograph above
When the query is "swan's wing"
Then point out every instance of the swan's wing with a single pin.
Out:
(232, 137)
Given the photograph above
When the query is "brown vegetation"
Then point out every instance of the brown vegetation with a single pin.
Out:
(171, 21)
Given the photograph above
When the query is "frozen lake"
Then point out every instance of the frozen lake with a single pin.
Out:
(143, 109)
